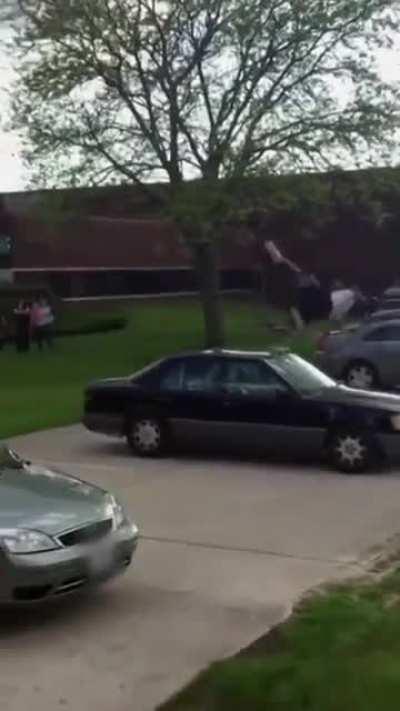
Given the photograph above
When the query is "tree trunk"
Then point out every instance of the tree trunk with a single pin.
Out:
(205, 255)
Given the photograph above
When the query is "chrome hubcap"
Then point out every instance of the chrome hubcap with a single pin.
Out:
(360, 377)
(351, 450)
(147, 435)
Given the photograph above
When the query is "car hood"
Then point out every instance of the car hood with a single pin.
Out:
(48, 500)
(110, 383)
(360, 398)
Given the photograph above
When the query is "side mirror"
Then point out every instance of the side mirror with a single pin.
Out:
(10, 459)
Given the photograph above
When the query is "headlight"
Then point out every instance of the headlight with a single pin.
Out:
(21, 541)
(395, 420)
(116, 511)
(120, 517)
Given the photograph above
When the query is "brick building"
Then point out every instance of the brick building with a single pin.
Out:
(116, 247)
(112, 256)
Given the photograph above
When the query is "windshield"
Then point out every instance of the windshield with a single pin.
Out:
(300, 375)
(146, 372)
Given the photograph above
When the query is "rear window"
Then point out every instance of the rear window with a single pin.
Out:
(390, 304)
(384, 333)
(385, 315)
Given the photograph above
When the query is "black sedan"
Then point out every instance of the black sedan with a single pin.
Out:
(275, 401)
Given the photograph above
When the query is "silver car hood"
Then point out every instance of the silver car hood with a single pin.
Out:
(48, 500)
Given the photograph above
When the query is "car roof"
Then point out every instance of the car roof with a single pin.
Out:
(388, 304)
(236, 353)
(385, 315)
(377, 323)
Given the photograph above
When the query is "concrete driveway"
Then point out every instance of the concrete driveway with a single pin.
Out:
(227, 547)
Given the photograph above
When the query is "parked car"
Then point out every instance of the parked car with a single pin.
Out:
(366, 357)
(392, 293)
(274, 401)
(58, 534)
(385, 304)
(385, 315)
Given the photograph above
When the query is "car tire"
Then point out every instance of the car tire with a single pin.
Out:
(147, 435)
(352, 451)
(361, 375)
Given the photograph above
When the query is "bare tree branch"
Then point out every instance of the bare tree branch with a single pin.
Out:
(203, 87)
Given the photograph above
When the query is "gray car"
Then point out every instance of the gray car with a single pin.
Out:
(367, 356)
(384, 315)
(58, 534)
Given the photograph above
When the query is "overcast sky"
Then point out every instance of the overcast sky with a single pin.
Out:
(13, 175)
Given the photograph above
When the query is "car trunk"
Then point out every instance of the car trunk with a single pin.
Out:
(333, 340)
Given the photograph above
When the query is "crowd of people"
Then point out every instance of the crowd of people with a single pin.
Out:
(31, 322)
(307, 299)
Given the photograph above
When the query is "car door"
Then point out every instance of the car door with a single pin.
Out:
(189, 390)
(382, 347)
(264, 411)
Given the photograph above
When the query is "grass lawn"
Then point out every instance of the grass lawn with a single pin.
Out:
(40, 390)
(339, 652)
(74, 320)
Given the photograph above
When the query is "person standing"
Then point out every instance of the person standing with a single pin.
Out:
(42, 320)
(286, 274)
(22, 315)
(343, 301)
(314, 302)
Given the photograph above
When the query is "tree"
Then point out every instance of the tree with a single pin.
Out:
(140, 90)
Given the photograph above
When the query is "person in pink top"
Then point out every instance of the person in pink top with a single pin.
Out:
(42, 321)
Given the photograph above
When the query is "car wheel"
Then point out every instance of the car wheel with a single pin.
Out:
(361, 375)
(352, 452)
(147, 436)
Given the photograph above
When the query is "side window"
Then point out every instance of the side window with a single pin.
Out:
(202, 374)
(252, 377)
(384, 333)
(171, 377)
(192, 375)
